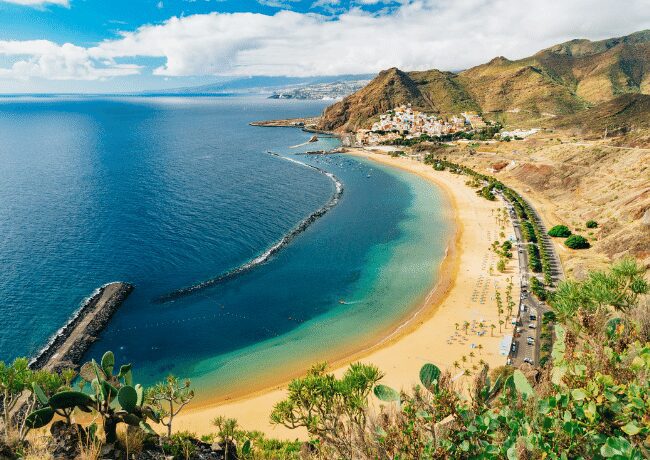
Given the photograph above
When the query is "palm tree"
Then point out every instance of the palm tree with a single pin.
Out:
(492, 327)
(480, 347)
(456, 364)
(456, 324)
(471, 355)
(466, 326)
(501, 323)
(482, 362)
(463, 358)
(474, 367)
(466, 373)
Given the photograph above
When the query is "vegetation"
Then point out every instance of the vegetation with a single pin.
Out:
(169, 398)
(590, 399)
(576, 242)
(538, 288)
(332, 410)
(539, 258)
(591, 224)
(560, 231)
(114, 399)
(544, 82)
(533, 258)
(486, 192)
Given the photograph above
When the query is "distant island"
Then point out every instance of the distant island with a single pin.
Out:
(320, 91)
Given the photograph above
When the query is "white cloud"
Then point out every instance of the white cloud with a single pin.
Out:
(277, 3)
(419, 34)
(45, 59)
(38, 3)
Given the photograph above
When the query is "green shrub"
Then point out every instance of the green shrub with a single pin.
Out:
(591, 224)
(560, 231)
(577, 242)
(538, 288)
(180, 445)
(528, 231)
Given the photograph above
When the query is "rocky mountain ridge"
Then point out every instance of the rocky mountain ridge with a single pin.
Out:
(561, 80)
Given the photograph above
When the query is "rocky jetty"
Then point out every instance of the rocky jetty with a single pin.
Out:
(67, 347)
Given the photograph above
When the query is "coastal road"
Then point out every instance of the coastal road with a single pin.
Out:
(531, 310)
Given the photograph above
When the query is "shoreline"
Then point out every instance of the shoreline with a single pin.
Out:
(392, 348)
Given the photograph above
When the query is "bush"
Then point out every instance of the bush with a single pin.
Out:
(180, 445)
(538, 288)
(528, 231)
(591, 224)
(560, 231)
(577, 242)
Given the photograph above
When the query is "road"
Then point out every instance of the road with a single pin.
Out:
(529, 319)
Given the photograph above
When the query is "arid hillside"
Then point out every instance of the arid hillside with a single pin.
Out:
(571, 182)
(561, 80)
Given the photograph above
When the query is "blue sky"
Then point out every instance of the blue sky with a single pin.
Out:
(121, 45)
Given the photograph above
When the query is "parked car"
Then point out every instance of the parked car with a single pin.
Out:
(529, 361)
(533, 317)
(513, 347)
(530, 341)
(532, 326)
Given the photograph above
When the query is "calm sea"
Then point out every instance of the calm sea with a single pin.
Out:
(166, 193)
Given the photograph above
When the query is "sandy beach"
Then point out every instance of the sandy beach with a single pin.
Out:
(465, 292)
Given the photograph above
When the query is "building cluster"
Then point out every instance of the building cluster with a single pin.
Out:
(406, 122)
(518, 133)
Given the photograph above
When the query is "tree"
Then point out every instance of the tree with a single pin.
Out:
(560, 231)
(501, 265)
(332, 410)
(466, 326)
(492, 328)
(601, 294)
(591, 224)
(227, 429)
(576, 242)
(169, 397)
(14, 380)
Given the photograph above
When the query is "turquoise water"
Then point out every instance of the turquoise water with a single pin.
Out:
(167, 193)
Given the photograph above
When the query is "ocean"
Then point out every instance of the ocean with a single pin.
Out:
(168, 193)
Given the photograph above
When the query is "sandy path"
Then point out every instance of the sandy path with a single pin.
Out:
(432, 336)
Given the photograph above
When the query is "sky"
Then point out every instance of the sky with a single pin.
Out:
(134, 45)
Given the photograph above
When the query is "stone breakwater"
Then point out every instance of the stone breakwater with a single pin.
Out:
(264, 257)
(68, 346)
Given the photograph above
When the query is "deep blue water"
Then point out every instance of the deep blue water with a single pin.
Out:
(168, 192)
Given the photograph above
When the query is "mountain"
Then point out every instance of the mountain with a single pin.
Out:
(621, 114)
(561, 80)
(260, 84)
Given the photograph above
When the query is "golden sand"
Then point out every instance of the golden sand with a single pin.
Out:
(464, 292)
